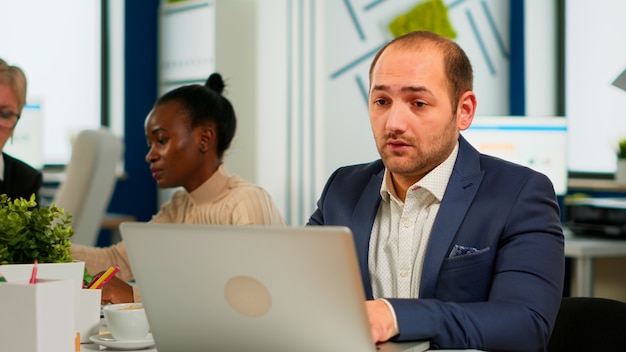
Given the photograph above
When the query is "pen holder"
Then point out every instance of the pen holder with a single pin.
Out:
(54, 271)
(89, 314)
(37, 317)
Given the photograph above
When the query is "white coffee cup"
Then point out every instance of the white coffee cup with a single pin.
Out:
(126, 321)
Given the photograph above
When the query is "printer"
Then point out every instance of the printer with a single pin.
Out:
(604, 217)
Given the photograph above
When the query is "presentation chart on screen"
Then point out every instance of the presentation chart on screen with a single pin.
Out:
(537, 142)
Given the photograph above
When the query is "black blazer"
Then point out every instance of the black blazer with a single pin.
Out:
(20, 179)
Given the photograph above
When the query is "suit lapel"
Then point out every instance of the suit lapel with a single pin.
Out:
(361, 225)
(462, 187)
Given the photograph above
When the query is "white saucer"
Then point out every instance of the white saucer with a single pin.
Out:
(108, 341)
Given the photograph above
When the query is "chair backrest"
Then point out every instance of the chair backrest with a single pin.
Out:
(89, 182)
(589, 324)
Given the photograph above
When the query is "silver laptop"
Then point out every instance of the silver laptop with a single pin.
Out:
(245, 288)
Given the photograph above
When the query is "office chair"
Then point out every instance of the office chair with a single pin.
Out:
(589, 324)
(90, 179)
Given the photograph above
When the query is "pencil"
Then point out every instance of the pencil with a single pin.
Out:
(33, 274)
(104, 278)
(107, 278)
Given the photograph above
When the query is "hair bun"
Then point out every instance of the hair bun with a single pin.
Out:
(215, 83)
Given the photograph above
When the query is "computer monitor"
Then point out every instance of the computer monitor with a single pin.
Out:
(27, 143)
(537, 142)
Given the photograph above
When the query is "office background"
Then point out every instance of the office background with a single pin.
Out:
(304, 75)
(296, 72)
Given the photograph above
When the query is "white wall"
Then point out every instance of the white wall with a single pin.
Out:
(236, 56)
(271, 92)
(540, 56)
(290, 105)
(596, 55)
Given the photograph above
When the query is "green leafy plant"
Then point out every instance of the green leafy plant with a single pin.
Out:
(86, 278)
(28, 232)
(621, 151)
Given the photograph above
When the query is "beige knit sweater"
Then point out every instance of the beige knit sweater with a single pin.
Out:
(222, 199)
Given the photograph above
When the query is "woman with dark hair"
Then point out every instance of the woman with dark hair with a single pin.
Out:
(188, 131)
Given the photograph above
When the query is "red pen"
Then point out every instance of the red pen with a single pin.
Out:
(33, 274)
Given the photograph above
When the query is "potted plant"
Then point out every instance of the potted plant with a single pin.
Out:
(620, 172)
(29, 233)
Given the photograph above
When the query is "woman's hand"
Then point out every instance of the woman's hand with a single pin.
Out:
(117, 291)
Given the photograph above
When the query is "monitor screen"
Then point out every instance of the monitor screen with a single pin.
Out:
(537, 142)
(28, 135)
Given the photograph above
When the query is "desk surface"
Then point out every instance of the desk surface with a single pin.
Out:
(582, 184)
(94, 347)
(581, 246)
(584, 250)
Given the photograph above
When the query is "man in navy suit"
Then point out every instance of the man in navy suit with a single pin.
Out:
(455, 247)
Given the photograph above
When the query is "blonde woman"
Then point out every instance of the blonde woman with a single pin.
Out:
(17, 179)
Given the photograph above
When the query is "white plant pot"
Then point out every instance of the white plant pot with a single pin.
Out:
(37, 317)
(620, 173)
(57, 271)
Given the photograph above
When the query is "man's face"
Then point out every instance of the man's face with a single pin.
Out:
(414, 124)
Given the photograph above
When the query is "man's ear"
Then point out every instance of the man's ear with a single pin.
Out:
(465, 110)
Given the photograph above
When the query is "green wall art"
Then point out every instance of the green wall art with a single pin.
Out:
(430, 15)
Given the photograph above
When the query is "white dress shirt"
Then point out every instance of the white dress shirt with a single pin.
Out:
(401, 232)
